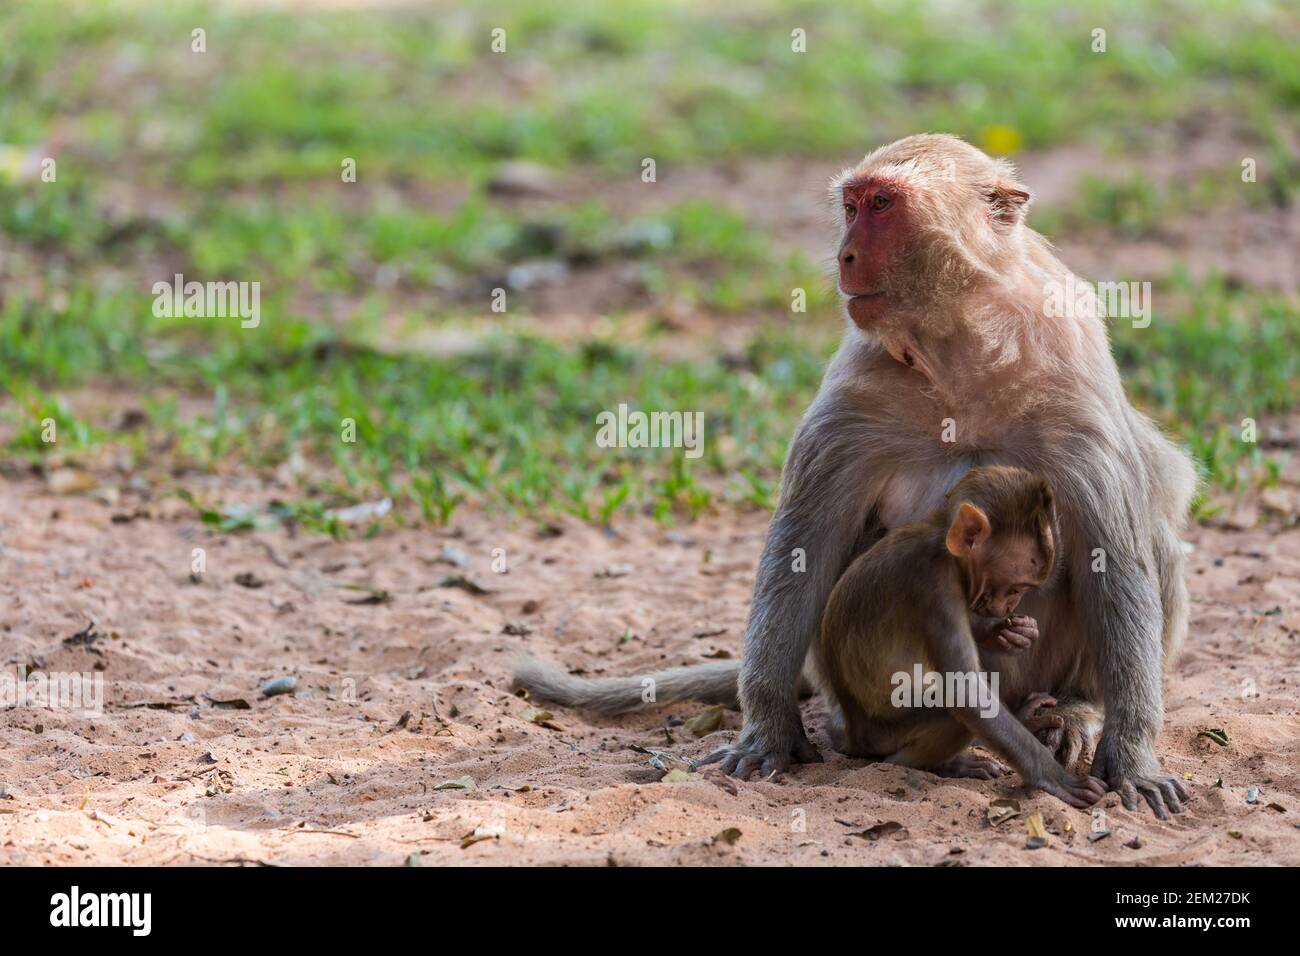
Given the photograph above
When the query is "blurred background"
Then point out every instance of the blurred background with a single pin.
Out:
(521, 170)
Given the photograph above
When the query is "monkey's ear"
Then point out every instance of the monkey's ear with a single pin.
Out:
(1046, 521)
(1046, 498)
(1008, 202)
(969, 530)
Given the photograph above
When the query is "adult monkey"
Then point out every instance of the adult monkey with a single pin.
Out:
(952, 360)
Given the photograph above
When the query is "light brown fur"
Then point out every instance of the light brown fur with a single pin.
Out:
(906, 603)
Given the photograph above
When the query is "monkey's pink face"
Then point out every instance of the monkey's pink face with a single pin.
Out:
(875, 218)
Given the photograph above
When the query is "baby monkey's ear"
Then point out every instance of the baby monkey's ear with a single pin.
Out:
(969, 530)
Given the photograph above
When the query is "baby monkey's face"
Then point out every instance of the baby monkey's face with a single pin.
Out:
(1004, 569)
(1003, 559)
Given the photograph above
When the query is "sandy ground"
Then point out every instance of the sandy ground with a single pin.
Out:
(397, 698)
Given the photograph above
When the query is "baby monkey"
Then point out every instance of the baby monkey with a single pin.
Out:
(911, 609)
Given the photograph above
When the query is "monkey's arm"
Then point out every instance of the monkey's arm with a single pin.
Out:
(821, 515)
(950, 650)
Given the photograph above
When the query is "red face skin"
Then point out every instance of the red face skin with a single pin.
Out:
(874, 217)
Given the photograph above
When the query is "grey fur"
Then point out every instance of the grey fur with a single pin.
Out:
(713, 682)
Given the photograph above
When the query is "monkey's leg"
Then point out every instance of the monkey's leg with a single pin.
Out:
(822, 511)
(940, 747)
(1170, 561)
(1124, 622)
(1173, 489)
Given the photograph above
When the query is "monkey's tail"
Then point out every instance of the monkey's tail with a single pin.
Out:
(713, 683)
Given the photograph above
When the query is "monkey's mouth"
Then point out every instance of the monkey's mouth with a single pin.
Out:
(866, 309)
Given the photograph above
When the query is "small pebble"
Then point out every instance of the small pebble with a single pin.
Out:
(280, 685)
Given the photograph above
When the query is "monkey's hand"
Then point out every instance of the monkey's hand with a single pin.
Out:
(761, 749)
(1010, 635)
(1130, 773)
(1077, 791)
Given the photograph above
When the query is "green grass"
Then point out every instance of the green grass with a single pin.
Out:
(513, 422)
(1228, 357)
(421, 92)
(226, 165)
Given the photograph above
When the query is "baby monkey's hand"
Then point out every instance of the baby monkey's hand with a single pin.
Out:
(1010, 635)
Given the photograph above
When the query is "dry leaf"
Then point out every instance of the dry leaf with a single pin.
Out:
(233, 703)
(874, 833)
(70, 481)
(706, 721)
(464, 583)
(478, 834)
(1000, 811)
(728, 836)
(665, 761)
(541, 718)
(724, 782)
(1037, 832)
(372, 596)
(707, 631)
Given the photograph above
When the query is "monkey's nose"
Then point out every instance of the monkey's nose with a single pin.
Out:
(846, 258)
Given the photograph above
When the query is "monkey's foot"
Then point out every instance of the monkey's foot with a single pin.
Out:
(752, 752)
(1131, 774)
(970, 764)
(1068, 730)
(1010, 635)
(1028, 713)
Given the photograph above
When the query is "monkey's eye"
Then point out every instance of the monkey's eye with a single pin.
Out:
(850, 211)
(880, 203)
